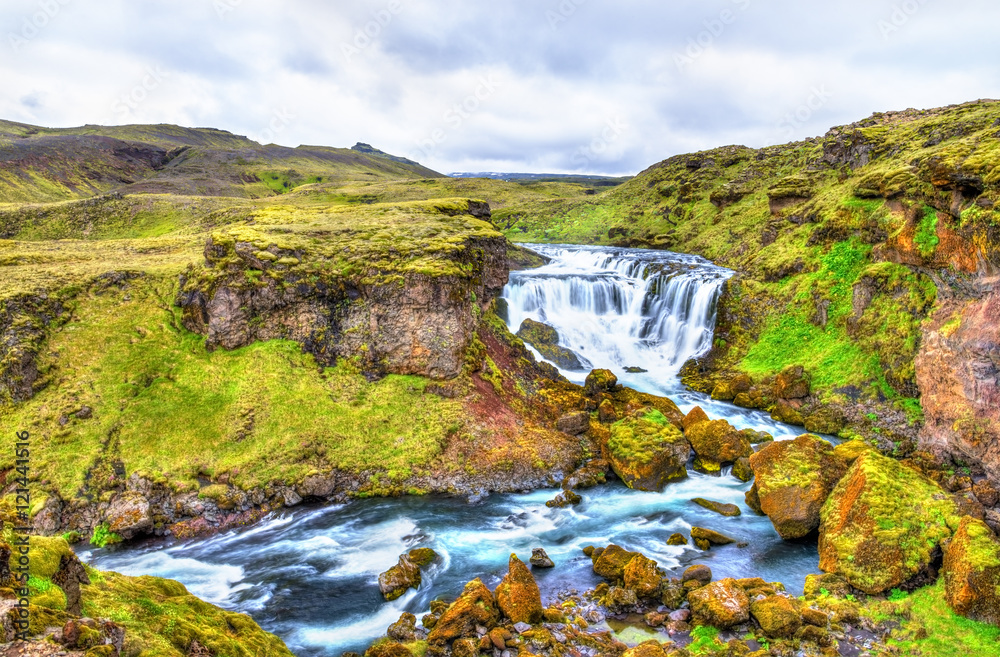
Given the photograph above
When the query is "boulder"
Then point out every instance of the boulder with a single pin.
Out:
(517, 595)
(882, 524)
(721, 604)
(972, 572)
(380, 649)
(610, 563)
(792, 383)
(642, 575)
(986, 492)
(713, 537)
(755, 437)
(782, 411)
(742, 469)
(825, 419)
(694, 416)
(564, 499)
(574, 423)
(607, 413)
(588, 475)
(718, 441)
(128, 515)
(405, 629)
(394, 582)
(792, 479)
(650, 648)
(728, 389)
(599, 381)
(539, 559)
(699, 573)
(778, 616)
(677, 539)
(647, 451)
(721, 508)
(476, 607)
(545, 339)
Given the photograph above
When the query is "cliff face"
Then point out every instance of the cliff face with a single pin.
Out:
(958, 370)
(413, 324)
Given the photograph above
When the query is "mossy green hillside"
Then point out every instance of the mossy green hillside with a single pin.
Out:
(166, 408)
(816, 229)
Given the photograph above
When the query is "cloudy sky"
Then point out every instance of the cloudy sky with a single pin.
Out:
(511, 85)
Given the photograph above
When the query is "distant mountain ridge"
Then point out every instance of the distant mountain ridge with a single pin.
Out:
(39, 165)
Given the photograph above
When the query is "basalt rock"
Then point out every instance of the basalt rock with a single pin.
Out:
(129, 515)
(792, 480)
(610, 563)
(476, 607)
(721, 604)
(421, 325)
(718, 441)
(792, 383)
(719, 507)
(642, 575)
(710, 535)
(539, 559)
(647, 452)
(883, 524)
(517, 595)
(545, 339)
(599, 381)
(972, 572)
(778, 616)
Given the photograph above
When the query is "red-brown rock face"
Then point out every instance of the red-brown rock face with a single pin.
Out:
(958, 371)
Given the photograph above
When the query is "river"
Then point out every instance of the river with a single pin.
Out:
(310, 574)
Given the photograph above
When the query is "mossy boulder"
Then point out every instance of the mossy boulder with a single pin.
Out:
(883, 523)
(972, 572)
(693, 417)
(728, 389)
(475, 607)
(742, 469)
(611, 562)
(792, 479)
(517, 595)
(783, 411)
(721, 604)
(128, 515)
(792, 383)
(599, 381)
(574, 423)
(718, 441)
(651, 648)
(825, 419)
(405, 575)
(643, 576)
(677, 539)
(698, 573)
(545, 339)
(646, 451)
(710, 535)
(729, 510)
(388, 649)
(778, 616)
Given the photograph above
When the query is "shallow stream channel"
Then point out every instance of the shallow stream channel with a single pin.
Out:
(310, 575)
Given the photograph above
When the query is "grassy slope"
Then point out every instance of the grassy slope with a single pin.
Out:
(832, 227)
(47, 165)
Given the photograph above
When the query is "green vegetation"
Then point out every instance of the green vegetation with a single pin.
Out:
(639, 439)
(103, 536)
(926, 238)
(704, 640)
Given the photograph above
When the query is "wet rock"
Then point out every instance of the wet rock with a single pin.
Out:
(635, 370)
(694, 416)
(476, 606)
(129, 515)
(699, 573)
(707, 466)
(753, 501)
(564, 499)
(815, 617)
(650, 648)
(787, 413)
(986, 492)
(882, 524)
(465, 648)
(539, 559)
(742, 469)
(592, 473)
(718, 441)
(833, 583)
(792, 479)
(727, 390)
(755, 437)
(422, 556)
(574, 423)
(792, 383)
(405, 629)
(517, 595)
(655, 618)
(721, 508)
(498, 637)
(713, 537)
(677, 539)
(778, 616)
(646, 451)
(972, 572)
(721, 604)
(680, 615)
(620, 599)
(599, 381)
(642, 575)
(813, 634)
(394, 582)
(702, 543)
(611, 562)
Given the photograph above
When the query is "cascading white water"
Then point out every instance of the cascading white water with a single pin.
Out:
(621, 307)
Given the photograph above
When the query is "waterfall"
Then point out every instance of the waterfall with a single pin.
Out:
(621, 308)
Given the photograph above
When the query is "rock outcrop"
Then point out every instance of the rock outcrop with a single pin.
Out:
(792, 480)
(410, 323)
(517, 595)
(646, 451)
(883, 524)
(545, 339)
(972, 572)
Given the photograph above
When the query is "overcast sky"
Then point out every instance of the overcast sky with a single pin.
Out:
(509, 85)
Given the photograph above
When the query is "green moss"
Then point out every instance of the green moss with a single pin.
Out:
(638, 439)
(929, 627)
(103, 536)
(926, 237)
